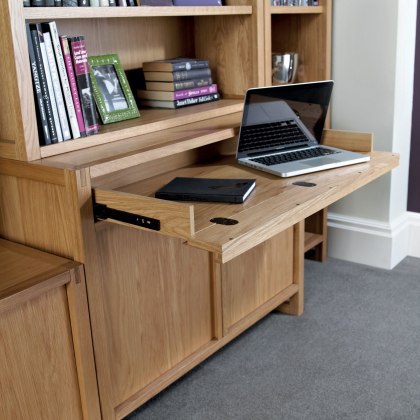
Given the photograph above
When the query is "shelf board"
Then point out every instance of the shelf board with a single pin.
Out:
(312, 240)
(282, 10)
(150, 120)
(36, 13)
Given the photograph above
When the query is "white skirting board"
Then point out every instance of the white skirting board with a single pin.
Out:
(378, 244)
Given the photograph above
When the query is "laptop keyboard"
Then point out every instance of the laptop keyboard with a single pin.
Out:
(271, 135)
(293, 156)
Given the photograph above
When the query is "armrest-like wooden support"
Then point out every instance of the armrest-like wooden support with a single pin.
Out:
(348, 140)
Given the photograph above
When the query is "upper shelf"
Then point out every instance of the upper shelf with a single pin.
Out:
(121, 12)
(150, 120)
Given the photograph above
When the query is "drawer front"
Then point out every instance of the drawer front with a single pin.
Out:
(250, 280)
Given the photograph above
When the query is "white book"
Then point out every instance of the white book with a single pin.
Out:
(104, 3)
(61, 65)
(55, 78)
(51, 89)
(94, 3)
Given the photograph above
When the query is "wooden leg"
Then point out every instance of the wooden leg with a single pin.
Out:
(294, 306)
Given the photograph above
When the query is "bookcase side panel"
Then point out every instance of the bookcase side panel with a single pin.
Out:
(18, 130)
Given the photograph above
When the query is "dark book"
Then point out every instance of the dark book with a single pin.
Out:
(39, 101)
(70, 3)
(161, 95)
(38, 3)
(156, 3)
(175, 64)
(49, 3)
(180, 103)
(43, 81)
(58, 3)
(180, 85)
(169, 76)
(83, 3)
(131, 3)
(197, 2)
(224, 190)
(81, 71)
(26, 3)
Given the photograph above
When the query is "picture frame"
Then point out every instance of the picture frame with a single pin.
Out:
(110, 88)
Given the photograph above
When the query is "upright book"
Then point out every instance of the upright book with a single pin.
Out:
(61, 65)
(43, 83)
(73, 85)
(81, 71)
(39, 101)
(225, 190)
(55, 78)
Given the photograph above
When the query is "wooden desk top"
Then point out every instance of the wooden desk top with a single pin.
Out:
(276, 204)
(26, 272)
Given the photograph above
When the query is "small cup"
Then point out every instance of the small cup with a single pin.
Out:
(284, 67)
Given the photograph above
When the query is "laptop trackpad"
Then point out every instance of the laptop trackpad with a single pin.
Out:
(319, 162)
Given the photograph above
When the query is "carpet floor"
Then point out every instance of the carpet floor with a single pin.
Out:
(354, 354)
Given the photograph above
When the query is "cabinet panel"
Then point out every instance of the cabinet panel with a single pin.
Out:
(37, 359)
(250, 280)
(158, 297)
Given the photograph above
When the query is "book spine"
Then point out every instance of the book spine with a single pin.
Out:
(197, 100)
(55, 78)
(112, 3)
(200, 91)
(45, 134)
(58, 3)
(73, 85)
(26, 3)
(83, 3)
(61, 65)
(122, 3)
(49, 83)
(191, 74)
(70, 3)
(38, 3)
(175, 86)
(94, 3)
(49, 3)
(44, 87)
(103, 3)
(81, 71)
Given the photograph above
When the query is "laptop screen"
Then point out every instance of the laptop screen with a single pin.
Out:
(308, 101)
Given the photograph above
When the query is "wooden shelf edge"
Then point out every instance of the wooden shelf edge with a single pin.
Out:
(145, 124)
(288, 10)
(34, 13)
(312, 240)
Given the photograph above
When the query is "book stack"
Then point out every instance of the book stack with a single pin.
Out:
(62, 87)
(176, 83)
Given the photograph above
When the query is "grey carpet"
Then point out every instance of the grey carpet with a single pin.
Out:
(354, 354)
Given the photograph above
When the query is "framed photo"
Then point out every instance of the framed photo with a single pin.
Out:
(111, 90)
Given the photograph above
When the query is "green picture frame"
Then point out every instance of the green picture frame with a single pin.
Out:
(111, 90)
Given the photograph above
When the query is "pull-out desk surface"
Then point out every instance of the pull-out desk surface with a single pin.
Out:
(274, 205)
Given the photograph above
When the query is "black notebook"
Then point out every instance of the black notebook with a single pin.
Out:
(207, 189)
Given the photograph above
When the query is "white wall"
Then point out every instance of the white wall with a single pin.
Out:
(373, 63)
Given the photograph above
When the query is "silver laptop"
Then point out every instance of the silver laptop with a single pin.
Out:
(282, 127)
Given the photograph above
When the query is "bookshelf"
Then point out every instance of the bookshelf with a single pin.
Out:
(179, 288)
